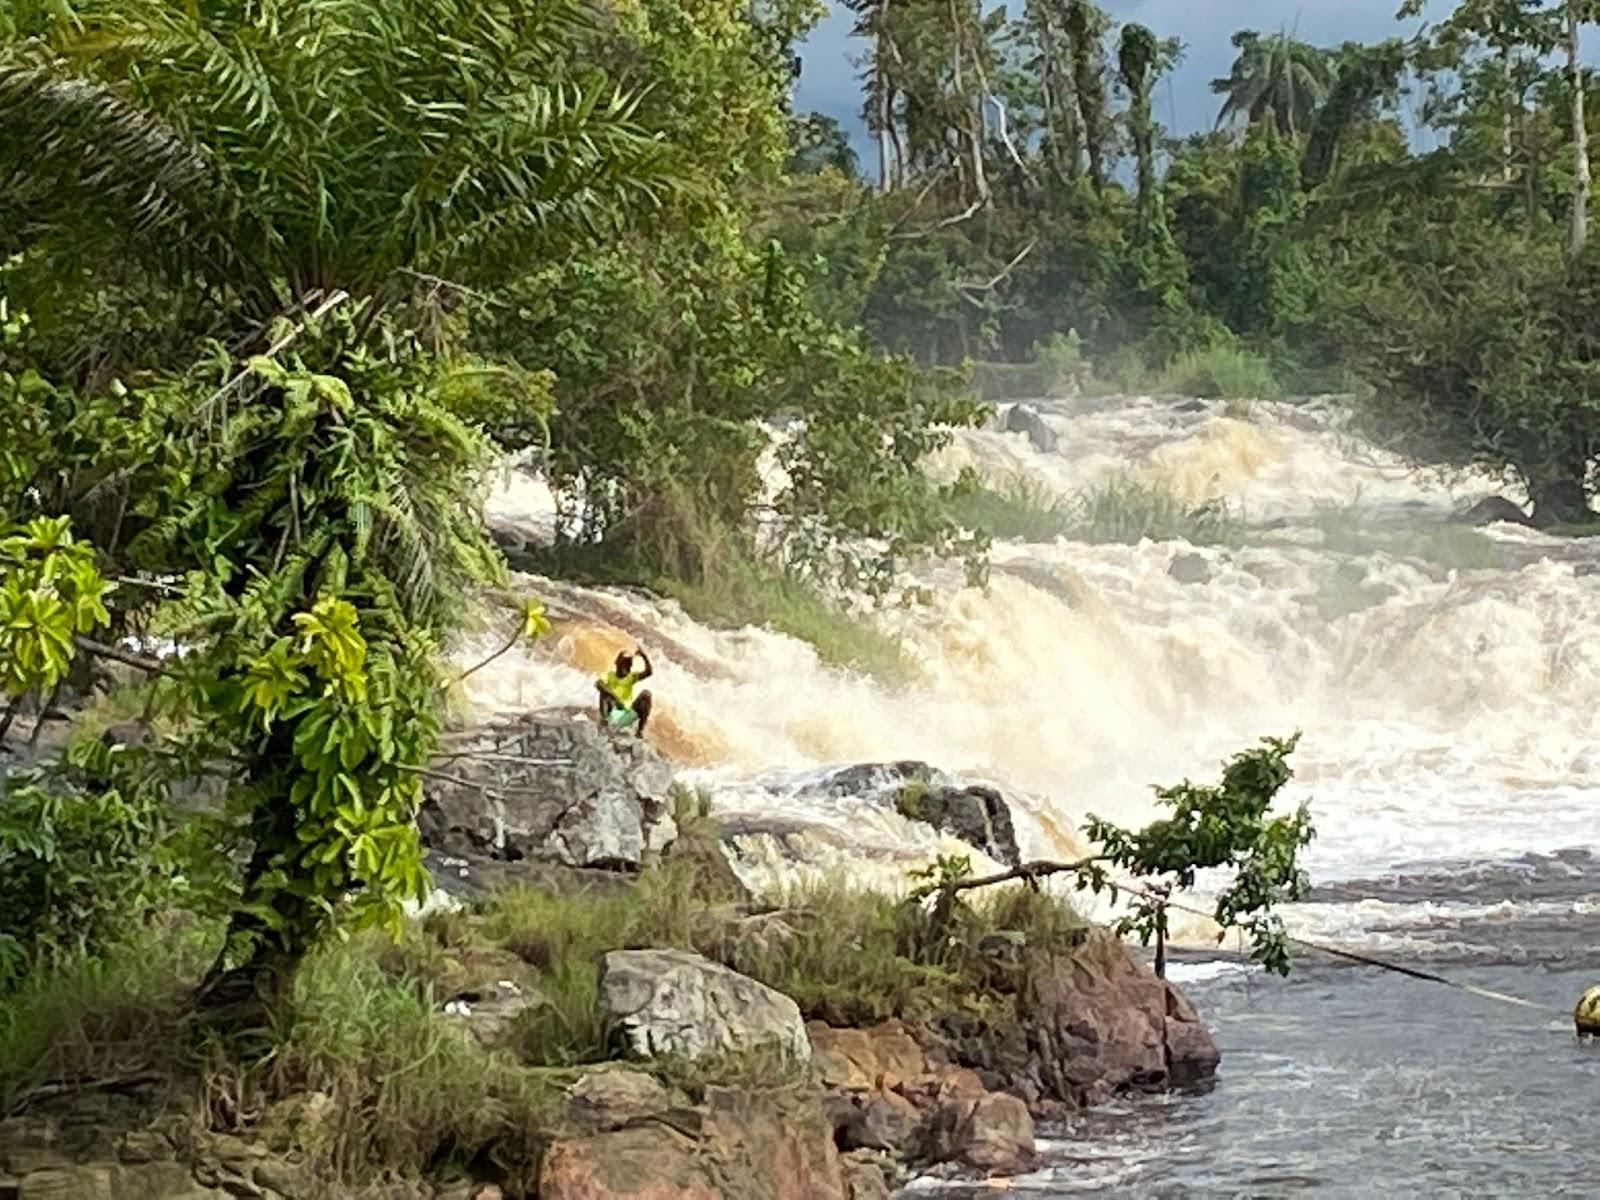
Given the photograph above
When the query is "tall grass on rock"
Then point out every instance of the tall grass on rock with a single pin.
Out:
(1017, 508)
(407, 1089)
(1128, 510)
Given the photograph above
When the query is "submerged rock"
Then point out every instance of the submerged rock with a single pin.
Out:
(558, 790)
(673, 1002)
(1190, 568)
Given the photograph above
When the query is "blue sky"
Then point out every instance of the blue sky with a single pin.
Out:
(828, 80)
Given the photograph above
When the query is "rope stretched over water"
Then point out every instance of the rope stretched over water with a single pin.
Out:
(1368, 960)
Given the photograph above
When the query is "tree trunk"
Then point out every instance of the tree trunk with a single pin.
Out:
(1144, 150)
(1091, 97)
(974, 107)
(1560, 502)
(884, 109)
(1507, 170)
(1580, 138)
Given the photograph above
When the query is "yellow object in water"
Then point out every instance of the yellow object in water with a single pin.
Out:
(1587, 1015)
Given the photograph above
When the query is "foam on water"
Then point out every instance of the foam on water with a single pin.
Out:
(1446, 713)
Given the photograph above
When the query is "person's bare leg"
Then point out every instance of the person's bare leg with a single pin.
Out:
(641, 708)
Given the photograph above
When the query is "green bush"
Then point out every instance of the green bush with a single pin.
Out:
(79, 854)
(1124, 509)
(1060, 360)
(1221, 372)
(1122, 372)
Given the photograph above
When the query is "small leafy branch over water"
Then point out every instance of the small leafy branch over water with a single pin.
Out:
(1224, 827)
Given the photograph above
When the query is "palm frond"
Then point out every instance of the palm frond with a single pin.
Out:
(72, 148)
(289, 146)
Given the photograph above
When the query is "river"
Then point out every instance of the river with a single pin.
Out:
(1447, 685)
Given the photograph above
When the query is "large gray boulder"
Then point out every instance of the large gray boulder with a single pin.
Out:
(673, 1002)
(1025, 419)
(1492, 510)
(976, 814)
(543, 789)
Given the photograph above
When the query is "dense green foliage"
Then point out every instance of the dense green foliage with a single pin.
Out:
(1027, 201)
(279, 284)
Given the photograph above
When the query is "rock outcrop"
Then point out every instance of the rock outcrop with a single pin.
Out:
(887, 1094)
(737, 1143)
(672, 1002)
(1090, 1024)
(558, 790)
(977, 815)
(1189, 568)
(1492, 510)
(1025, 419)
(73, 1158)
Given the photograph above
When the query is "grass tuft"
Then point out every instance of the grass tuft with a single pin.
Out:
(849, 956)
(408, 1090)
(1018, 509)
(1127, 510)
(741, 591)
(87, 1018)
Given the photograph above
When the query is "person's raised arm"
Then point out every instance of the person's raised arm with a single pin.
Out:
(644, 658)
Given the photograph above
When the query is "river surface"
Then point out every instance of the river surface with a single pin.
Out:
(1447, 685)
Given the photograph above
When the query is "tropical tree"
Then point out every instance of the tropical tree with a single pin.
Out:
(1138, 62)
(817, 141)
(1365, 79)
(327, 175)
(1086, 26)
(265, 154)
(1275, 78)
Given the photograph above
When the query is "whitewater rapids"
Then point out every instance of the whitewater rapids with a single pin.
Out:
(1450, 710)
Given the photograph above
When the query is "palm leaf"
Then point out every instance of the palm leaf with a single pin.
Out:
(78, 158)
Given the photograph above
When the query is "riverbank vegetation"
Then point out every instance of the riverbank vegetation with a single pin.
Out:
(280, 283)
(450, 1042)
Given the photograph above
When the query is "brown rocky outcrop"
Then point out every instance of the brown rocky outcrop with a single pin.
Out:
(886, 1093)
(737, 1143)
(1089, 1024)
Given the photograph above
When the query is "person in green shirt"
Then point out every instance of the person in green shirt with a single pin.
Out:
(620, 707)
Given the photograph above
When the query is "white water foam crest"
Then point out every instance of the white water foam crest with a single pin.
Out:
(1445, 713)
